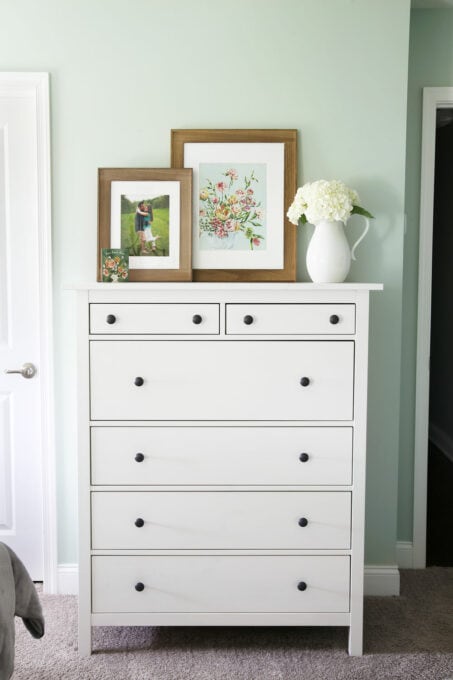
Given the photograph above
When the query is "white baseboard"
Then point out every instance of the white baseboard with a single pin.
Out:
(404, 554)
(68, 579)
(379, 580)
(382, 579)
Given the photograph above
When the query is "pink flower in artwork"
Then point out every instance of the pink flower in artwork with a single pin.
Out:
(256, 242)
(240, 192)
(232, 173)
(220, 186)
(221, 233)
(236, 209)
(215, 199)
(250, 192)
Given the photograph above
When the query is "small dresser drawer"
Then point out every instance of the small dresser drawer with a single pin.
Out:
(189, 583)
(221, 455)
(221, 380)
(155, 319)
(220, 520)
(290, 319)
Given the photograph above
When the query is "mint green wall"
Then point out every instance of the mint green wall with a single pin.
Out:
(124, 74)
(430, 65)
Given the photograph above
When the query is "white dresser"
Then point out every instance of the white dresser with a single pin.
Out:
(222, 442)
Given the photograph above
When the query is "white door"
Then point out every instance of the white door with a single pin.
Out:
(21, 485)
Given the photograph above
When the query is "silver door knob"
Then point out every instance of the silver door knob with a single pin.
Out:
(27, 370)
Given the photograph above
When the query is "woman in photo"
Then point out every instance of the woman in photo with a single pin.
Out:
(147, 227)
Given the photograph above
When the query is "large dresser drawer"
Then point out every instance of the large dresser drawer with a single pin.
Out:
(221, 455)
(221, 380)
(290, 319)
(211, 583)
(158, 319)
(198, 520)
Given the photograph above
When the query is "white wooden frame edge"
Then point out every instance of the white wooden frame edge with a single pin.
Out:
(36, 84)
(433, 98)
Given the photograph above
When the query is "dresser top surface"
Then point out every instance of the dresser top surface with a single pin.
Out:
(302, 287)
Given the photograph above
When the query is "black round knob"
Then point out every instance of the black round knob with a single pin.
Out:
(196, 319)
(334, 319)
(139, 586)
(111, 318)
(304, 381)
(303, 457)
(139, 457)
(248, 319)
(139, 522)
(301, 585)
(138, 381)
(302, 522)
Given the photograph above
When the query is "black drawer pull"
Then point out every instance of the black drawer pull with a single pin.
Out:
(196, 319)
(139, 522)
(248, 319)
(303, 457)
(301, 585)
(138, 381)
(305, 381)
(139, 457)
(139, 586)
(303, 522)
(111, 318)
(334, 319)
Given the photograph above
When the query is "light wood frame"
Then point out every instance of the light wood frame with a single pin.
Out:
(184, 176)
(289, 138)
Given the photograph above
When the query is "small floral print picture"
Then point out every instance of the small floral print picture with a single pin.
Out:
(232, 206)
(115, 265)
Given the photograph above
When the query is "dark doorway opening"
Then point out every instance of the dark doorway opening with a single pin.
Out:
(439, 545)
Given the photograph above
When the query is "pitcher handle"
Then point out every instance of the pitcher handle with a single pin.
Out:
(367, 226)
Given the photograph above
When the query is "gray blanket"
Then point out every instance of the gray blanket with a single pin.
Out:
(18, 597)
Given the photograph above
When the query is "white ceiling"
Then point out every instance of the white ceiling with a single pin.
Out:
(432, 4)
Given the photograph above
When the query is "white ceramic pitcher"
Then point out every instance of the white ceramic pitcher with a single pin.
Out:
(328, 254)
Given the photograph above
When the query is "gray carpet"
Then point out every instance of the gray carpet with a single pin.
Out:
(406, 638)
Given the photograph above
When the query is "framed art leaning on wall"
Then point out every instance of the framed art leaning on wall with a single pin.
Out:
(243, 183)
(147, 213)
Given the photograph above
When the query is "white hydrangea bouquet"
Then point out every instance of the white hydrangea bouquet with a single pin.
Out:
(328, 205)
(325, 200)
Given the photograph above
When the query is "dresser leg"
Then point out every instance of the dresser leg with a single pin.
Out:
(85, 640)
(355, 646)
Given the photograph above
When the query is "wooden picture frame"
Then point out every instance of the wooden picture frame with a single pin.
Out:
(157, 253)
(240, 162)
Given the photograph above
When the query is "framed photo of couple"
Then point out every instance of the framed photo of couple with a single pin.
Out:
(243, 183)
(144, 215)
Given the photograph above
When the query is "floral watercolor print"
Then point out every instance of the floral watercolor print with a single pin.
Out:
(232, 206)
(115, 265)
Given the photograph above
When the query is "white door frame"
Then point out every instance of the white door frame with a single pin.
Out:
(36, 86)
(433, 98)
